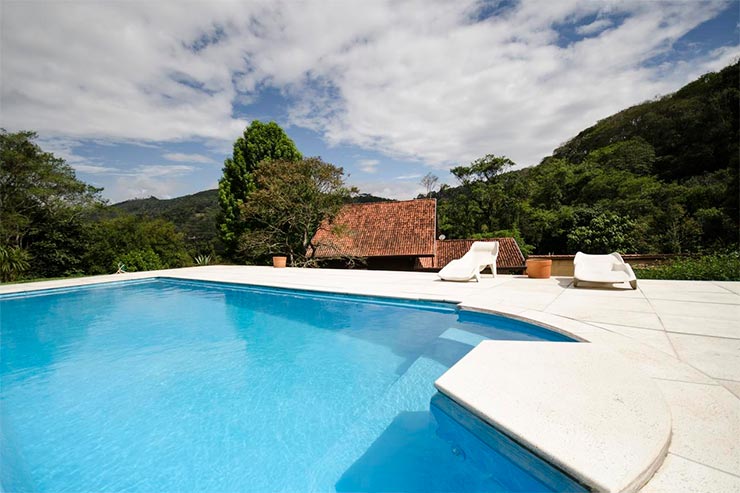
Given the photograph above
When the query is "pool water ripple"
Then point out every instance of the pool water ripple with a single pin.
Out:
(183, 386)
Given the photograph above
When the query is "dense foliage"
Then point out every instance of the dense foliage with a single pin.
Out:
(193, 215)
(290, 201)
(54, 225)
(42, 204)
(721, 266)
(260, 142)
(138, 243)
(660, 177)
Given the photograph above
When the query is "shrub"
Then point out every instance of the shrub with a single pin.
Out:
(526, 249)
(202, 259)
(14, 261)
(712, 267)
(138, 260)
(607, 232)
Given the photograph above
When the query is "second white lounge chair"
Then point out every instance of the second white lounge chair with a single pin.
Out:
(609, 269)
(482, 254)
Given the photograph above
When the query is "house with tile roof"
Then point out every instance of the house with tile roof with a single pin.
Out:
(397, 236)
(388, 235)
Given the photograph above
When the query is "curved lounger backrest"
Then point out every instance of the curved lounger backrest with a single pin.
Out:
(485, 246)
(619, 258)
(484, 253)
(587, 258)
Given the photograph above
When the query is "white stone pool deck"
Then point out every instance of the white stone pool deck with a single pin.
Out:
(680, 338)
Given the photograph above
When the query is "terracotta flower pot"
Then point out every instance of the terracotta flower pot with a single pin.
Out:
(539, 268)
(279, 261)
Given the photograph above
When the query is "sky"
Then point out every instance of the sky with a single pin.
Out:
(147, 98)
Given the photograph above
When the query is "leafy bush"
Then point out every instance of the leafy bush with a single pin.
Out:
(138, 260)
(712, 267)
(113, 239)
(607, 232)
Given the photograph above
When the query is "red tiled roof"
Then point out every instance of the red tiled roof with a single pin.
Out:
(380, 229)
(509, 254)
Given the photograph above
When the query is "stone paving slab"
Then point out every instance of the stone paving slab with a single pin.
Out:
(717, 357)
(679, 474)
(701, 326)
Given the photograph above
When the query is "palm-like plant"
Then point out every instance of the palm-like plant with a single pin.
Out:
(14, 261)
(202, 259)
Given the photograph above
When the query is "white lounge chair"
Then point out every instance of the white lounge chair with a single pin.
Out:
(482, 254)
(602, 269)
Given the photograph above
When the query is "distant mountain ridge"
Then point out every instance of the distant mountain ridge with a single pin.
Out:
(194, 215)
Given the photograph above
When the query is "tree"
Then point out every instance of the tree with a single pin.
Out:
(140, 243)
(607, 232)
(429, 182)
(260, 142)
(42, 205)
(290, 202)
(481, 205)
(484, 169)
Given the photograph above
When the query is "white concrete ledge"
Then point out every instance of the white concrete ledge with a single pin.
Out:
(579, 406)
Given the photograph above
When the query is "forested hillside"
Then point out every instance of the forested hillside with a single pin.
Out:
(193, 215)
(661, 176)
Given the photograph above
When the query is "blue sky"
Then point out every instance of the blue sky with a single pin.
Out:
(146, 98)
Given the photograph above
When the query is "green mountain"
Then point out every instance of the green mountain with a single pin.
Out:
(692, 131)
(193, 215)
(661, 176)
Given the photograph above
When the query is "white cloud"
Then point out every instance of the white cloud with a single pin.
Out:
(368, 165)
(157, 180)
(130, 187)
(95, 169)
(116, 71)
(594, 27)
(188, 158)
(420, 79)
(450, 91)
(158, 170)
(408, 177)
(397, 190)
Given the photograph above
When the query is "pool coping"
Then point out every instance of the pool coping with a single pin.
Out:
(690, 465)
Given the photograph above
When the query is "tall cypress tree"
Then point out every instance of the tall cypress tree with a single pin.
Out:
(260, 142)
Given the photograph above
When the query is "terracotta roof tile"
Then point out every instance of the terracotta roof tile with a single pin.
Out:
(509, 255)
(380, 229)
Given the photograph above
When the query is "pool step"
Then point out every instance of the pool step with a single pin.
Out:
(580, 406)
(463, 336)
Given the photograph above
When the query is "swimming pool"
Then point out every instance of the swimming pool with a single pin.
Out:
(170, 385)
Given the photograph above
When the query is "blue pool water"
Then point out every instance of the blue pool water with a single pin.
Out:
(167, 385)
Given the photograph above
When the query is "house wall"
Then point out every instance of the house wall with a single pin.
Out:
(562, 265)
(374, 263)
(390, 263)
